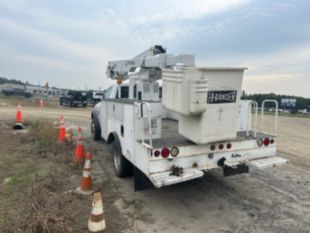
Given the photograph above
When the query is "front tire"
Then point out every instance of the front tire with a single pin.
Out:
(95, 129)
(122, 166)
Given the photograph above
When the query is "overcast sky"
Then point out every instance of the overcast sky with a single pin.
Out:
(68, 43)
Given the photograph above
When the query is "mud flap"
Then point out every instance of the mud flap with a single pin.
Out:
(141, 181)
(232, 170)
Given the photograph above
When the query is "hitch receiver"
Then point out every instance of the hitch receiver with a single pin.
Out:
(230, 171)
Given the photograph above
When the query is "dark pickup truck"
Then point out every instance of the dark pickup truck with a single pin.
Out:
(73, 99)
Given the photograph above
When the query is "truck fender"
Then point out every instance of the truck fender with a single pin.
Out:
(121, 165)
(140, 180)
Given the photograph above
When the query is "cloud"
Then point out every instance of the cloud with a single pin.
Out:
(46, 62)
(282, 72)
(70, 42)
(258, 27)
(280, 84)
(183, 10)
(68, 63)
(53, 42)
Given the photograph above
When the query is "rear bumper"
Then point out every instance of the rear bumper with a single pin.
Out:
(79, 102)
(209, 160)
(161, 179)
(165, 178)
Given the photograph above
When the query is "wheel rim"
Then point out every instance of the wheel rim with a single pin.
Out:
(117, 160)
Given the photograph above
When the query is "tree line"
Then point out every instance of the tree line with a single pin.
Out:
(301, 102)
(13, 81)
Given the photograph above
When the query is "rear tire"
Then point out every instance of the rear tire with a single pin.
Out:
(122, 166)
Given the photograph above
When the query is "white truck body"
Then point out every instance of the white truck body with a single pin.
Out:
(189, 134)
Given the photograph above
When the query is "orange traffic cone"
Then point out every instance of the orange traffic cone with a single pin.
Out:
(41, 103)
(79, 149)
(86, 181)
(19, 118)
(62, 129)
(19, 115)
(96, 221)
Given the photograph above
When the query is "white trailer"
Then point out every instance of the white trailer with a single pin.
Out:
(178, 131)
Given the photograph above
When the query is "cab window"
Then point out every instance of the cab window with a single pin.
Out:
(124, 92)
(108, 93)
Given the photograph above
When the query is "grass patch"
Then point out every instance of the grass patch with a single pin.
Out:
(46, 140)
(33, 179)
(45, 135)
(285, 114)
(21, 178)
(43, 130)
(33, 101)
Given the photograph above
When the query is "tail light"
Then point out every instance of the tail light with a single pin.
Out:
(221, 146)
(266, 141)
(174, 151)
(228, 146)
(165, 152)
(212, 147)
(272, 141)
(259, 142)
(156, 153)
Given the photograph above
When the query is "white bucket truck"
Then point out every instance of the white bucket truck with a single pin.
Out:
(198, 122)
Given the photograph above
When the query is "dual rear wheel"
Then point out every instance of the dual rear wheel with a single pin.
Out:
(122, 166)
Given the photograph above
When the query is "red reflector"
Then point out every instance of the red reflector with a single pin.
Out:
(156, 153)
(165, 152)
(212, 147)
(266, 141)
(228, 146)
(221, 146)
(271, 140)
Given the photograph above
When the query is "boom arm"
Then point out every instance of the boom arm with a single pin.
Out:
(154, 57)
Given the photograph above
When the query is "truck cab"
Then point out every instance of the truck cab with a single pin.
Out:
(73, 99)
(94, 97)
(113, 91)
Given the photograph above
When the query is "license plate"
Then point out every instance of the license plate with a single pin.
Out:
(221, 97)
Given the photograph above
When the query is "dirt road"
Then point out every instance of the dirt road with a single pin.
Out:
(264, 201)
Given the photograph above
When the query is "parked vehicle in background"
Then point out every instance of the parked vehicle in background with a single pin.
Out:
(11, 89)
(16, 92)
(73, 99)
(93, 97)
